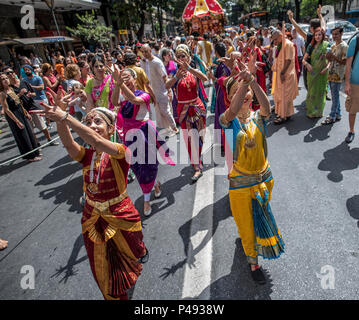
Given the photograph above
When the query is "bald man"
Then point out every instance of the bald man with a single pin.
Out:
(285, 83)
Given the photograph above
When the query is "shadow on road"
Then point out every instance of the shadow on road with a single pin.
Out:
(68, 270)
(167, 198)
(297, 123)
(238, 285)
(353, 207)
(11, 167)
(221, 211)
(68, 193)
(338, 159)
(319, 133)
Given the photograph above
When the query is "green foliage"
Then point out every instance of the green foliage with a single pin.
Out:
(91, 30)
(309, 8)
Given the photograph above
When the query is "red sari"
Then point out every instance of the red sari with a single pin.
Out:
(191, 116)
(111, 225)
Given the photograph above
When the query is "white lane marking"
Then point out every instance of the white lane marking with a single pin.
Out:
(197, 276)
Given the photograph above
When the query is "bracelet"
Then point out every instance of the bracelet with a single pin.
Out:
(249, 81)
(64, 117)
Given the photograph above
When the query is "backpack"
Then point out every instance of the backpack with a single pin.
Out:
(356, 49)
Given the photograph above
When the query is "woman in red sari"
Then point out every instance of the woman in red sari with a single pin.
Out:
(111, 225)
(190, 109)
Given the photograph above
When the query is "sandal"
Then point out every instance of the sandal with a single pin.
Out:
(258, 275)
(280, 120)
(196, 177)
(328, 120)
(145, 257)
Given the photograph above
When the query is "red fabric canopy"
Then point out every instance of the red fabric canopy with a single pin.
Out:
(200, 8)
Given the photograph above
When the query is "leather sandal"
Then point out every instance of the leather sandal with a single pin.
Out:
(196, 177)
(328, 120)
(280, 120)
(258, 275)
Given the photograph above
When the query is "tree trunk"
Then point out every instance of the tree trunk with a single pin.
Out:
(344, 8)
(159, 18)
(297, 10)
(141, 30)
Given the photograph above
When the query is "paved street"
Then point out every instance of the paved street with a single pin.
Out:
(195, 251)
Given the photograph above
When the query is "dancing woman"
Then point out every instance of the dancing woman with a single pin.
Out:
(250, 179)
(190, 108)
(111, 225)
(133, 116)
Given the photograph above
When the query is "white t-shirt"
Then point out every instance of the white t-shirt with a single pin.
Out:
(299, 42)
(266, 41)
(157, 71)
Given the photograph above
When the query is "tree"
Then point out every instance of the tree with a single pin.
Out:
(91, 30)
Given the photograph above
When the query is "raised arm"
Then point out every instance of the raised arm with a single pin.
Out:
(296, 26)
(64, 121)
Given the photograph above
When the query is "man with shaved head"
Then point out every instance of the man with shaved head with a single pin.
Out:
(285, 82)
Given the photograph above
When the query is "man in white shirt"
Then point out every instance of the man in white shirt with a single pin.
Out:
(158, 78)
(266, 37)
(300, 43)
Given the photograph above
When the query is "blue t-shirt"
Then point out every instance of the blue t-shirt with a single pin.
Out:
(354, 77)
(37, 81)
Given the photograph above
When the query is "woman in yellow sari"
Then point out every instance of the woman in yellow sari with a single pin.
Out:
(250, 178)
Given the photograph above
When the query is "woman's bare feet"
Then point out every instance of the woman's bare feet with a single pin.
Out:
(147, 208)
(158, 191)
(3, 244)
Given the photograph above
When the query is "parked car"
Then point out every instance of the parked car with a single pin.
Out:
(304, 26)
(348, 32)
(355, 34)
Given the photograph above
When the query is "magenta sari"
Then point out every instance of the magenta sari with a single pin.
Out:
(142, 138)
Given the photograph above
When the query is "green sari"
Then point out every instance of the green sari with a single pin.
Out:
(317, 83)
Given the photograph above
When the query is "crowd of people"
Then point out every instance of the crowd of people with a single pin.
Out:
(108, 97)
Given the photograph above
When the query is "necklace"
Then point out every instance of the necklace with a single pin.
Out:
(11, 93)
(250, 143)
(93, 187)
(187, 84)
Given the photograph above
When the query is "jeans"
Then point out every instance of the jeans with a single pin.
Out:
(335, 111)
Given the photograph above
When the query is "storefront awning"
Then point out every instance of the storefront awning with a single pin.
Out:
(42, 40)
(59, 5)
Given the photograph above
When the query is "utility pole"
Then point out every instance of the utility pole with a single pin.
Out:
(50, 4)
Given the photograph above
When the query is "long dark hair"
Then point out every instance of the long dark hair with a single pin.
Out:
(96, 58)
(314, 42)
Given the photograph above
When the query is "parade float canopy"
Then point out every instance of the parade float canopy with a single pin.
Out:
(201, 8)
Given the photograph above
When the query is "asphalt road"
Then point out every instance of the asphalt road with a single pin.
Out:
(195, 250)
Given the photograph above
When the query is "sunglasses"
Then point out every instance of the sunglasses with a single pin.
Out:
(9, 72)
(181, 56)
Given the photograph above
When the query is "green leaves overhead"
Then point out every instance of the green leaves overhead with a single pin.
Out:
(91, 30)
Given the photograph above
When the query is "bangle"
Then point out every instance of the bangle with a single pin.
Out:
(64, 117)
(247, 83)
